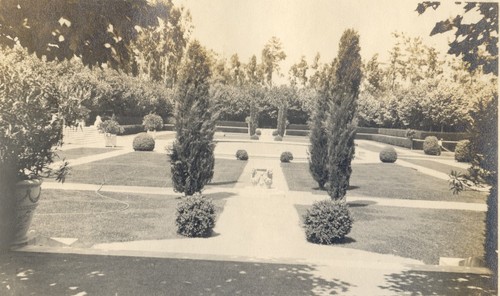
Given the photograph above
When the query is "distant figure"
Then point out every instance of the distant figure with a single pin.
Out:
(97, 121)
(440, 143)
(81, 123)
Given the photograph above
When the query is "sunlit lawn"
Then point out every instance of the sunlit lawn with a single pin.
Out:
(383, 180)
(146, 169)
(93, 218)
(423, 234)
(81, 152)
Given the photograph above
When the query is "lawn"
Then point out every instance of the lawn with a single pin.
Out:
(81, 152)
(383, 180)
(423, 234)
(96, 219)
(146, 169)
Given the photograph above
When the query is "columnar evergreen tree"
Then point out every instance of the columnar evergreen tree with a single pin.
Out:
(192, 155)
(341, 111)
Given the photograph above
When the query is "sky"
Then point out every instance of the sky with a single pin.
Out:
(306, 27)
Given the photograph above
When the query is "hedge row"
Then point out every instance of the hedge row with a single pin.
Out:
(302, 127)
(230, 129)
(419, 145)
(231, 123)
(423, 134)
(396, 141)
(297, 132)
(132, 129)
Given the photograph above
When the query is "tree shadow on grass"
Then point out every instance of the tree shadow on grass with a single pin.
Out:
(221, 183)
(360, 203)
(325, 190)
(439, 283)
(219, 195)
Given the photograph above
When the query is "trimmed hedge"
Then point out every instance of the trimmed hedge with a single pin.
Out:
(367, 130)
(254, 137)
(275, 133)
(431, 146)
(241, 155)
(301, 127)
(388, 154)
(229, 129)
(143, 142)
(195, 216)
(278, 138)
(302, 133)
(463, 152)
(228, 123)
(286, 156)
(258, 132)
(392, 132)
(327, 222)
(396, 141)
(132, 129)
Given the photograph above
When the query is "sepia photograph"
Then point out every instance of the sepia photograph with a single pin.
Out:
(238, 147)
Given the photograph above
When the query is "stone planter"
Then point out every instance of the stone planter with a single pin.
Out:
(110, 140)
(27, 196)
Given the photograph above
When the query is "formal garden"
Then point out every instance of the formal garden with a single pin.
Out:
(133, 140)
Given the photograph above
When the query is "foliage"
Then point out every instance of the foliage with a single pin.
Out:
(286, 156)
(241, 155)
(192, 153)
(318, 150)
(272, 55)
(258, 132)
(327, 222)
(143, 142)
(341, 110)
(31, 116)
(463, 152)
(278, 138)
(431, 146)
(388, 154)
(476, 42)
(98, 32)
(152, 122)
(110, 126)
(254, 137)
(275, 133)
(195, 216)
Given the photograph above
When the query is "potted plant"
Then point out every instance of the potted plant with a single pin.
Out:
(152, 123)
(30, 127)
(110, 128)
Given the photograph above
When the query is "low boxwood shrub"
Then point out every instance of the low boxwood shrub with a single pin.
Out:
(463, 152)
(242, 155)
(195, 216)
(275, 133)
(327, 222)
(388, 154)
(258, 132)
(132, 129)
(286, 156)
(254, 137)
(143, 142)
(278, 138)
(431, 146)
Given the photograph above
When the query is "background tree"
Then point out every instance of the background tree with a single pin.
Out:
(192, 155)
(272, 55)
(342, 108)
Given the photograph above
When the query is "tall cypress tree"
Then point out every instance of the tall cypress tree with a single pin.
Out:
(341, 111)
(192, 155)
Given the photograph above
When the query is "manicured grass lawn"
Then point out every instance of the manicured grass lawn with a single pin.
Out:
(95, 219)
(383, 180)
(443, 168)
(146, 169)
(81, 152)
(166, 136)
(423, 234)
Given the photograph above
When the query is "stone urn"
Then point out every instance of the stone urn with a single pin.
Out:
(110, 140)
(27, 196)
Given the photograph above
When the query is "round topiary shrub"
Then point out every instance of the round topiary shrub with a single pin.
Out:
(152, 122)
(278, 138)
(388, 154)
(275, 133)
(254, 137)
(242, 155)
(195, 216)
(286, 156)
(258, 132)
(327, 222)
(463, 152)
(143, 142)
(431, 146)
